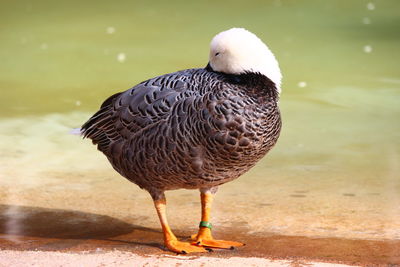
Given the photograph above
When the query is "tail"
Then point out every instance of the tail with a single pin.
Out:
(76, 131)
(100, 126)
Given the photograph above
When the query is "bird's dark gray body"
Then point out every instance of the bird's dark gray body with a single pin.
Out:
(190, 129)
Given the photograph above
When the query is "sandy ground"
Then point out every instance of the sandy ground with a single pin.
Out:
(93, 244)
(36, 258)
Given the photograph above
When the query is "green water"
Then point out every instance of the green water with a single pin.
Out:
(335, 170)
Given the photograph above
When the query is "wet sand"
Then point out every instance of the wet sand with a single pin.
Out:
(43, 229)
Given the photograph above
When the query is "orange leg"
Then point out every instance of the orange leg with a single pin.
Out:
(204, 237)
(170, 240)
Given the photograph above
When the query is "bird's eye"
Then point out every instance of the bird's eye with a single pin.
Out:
(216, 54)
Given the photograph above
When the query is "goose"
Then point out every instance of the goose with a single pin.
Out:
(194, 129)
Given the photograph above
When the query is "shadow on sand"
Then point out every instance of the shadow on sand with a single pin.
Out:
(34, 228)
(23, 226)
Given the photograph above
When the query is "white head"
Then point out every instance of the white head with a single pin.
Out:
(237, 50)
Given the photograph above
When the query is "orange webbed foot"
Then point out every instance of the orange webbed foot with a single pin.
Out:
(218, 244)
(184, 247)
(205, 239)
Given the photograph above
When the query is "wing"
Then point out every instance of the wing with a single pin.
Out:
(128, 113)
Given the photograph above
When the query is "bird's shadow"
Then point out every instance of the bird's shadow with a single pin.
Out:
(66, 228)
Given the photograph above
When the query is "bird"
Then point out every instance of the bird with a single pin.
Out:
(195, 128)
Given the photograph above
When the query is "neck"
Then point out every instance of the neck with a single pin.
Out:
(257, 83)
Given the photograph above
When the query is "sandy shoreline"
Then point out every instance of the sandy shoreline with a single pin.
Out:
(289, 211)
(144, 246)
(117, 258)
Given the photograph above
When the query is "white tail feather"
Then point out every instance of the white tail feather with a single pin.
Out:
(76, 131)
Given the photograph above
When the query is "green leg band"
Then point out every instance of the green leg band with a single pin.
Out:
(205, 224)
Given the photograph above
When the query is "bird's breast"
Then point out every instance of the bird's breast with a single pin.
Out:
(241, 131)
